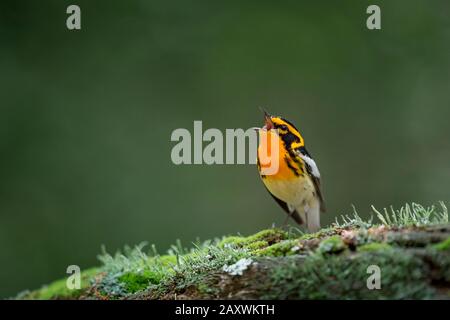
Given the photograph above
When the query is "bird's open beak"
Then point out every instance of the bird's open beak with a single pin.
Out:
(268, 124)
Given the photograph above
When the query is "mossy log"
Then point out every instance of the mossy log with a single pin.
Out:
(413, 262)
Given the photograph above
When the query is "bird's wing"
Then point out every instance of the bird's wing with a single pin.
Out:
(313, 172)
(289, 210)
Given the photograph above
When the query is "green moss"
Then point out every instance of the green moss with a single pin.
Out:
(255, 246)
(374, 246)
(333, 244)
(231, 241)
(270, 235)
(440, 260)
(59, 289)
(156, 269)
(168, 260)
(135, 282)
(282, 248)
(444, 245)
(204, 288)
(345, 276)
(259, 240)
(326, 269)
(319, 234)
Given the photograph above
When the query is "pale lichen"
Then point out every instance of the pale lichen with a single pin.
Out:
(238, 268)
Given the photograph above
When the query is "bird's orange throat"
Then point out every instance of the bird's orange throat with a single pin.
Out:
(274, 161)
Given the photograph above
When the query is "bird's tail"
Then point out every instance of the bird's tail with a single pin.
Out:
(313, 219)
(310, 216)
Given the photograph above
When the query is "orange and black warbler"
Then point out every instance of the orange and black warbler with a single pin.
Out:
(295, 185)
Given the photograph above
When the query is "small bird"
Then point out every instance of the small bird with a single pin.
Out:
(295, 186)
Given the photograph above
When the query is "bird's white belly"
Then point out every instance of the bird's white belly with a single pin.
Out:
(295, 192)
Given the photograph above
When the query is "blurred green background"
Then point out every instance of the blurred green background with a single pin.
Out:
(86, 118)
